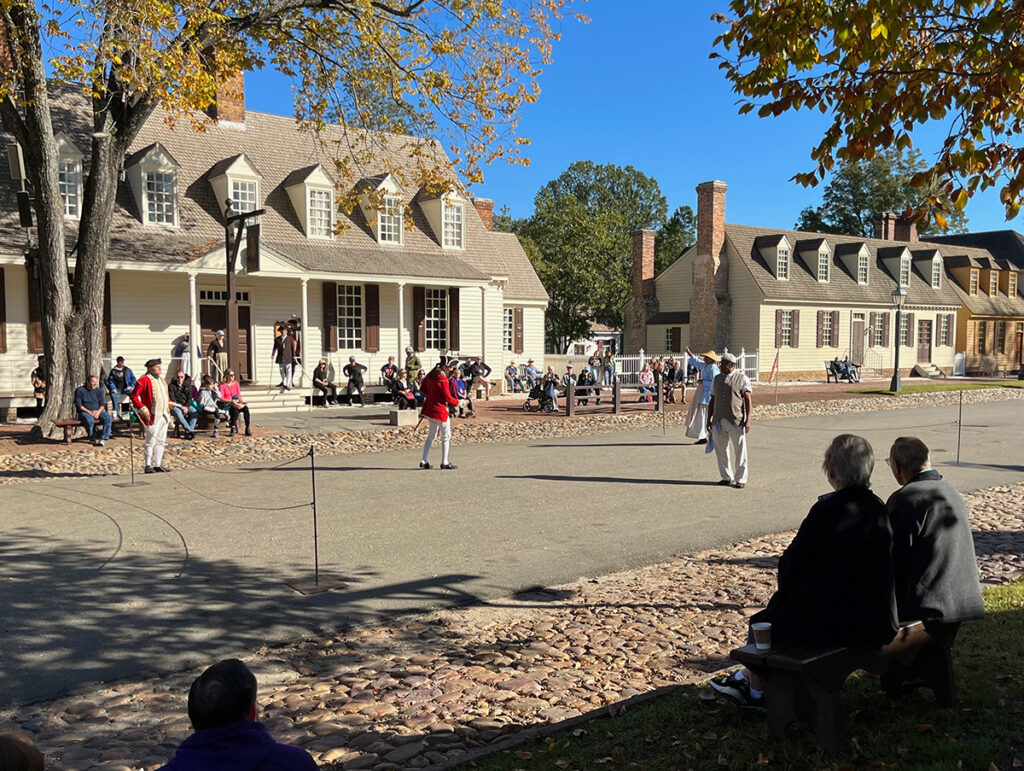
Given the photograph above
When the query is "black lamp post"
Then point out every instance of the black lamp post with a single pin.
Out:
(899, 296)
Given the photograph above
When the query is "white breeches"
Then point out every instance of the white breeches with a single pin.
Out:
(156, 437)
(442, 429)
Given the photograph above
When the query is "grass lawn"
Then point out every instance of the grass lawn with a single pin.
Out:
(929, 387)
(985, 732)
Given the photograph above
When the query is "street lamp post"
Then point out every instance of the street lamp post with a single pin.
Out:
(899, 296)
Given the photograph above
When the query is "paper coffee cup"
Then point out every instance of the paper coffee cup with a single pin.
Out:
(762, 635)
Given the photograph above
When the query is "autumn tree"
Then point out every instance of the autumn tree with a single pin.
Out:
(859, 190)
(879, 69)
(460, 69)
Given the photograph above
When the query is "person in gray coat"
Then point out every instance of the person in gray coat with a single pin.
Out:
(933, 550)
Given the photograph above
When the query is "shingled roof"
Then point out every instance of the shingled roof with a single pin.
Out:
(1004, 244)
(281, 151)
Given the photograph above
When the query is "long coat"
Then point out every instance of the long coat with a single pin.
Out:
(439, 397)
(142, 396)
(836, 577)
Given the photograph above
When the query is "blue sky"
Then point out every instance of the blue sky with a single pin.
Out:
(635, 87)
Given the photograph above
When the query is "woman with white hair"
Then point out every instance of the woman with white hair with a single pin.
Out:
(836, 577)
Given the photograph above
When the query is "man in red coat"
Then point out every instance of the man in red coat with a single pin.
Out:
(435, 409)
(153, 406)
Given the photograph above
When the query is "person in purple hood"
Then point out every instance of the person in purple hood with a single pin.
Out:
(222, 708)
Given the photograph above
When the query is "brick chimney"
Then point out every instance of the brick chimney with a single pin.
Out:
(229, 106)
(905, 230)
(485, 208)
(645, 299)
(885, 226)
(709, 303)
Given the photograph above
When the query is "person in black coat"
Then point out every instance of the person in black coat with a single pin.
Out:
(835, 583)
(936, 568)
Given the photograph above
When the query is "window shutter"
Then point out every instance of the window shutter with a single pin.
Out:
(952, 327)
(371, 298)
(796, 329)
(677, 339)
(517, 330)
(3, 313)
(108, 337)
(453, 318)
(419, 317)
(885, 330)
(35, 318)
(778, 328)
(835, 329)
(819, 340)
(872, 318)
(330, 330)
(910, 330)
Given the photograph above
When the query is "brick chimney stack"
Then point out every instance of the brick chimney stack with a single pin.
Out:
(905, 230)
(885, 226)
(229, 106)
(485, 208)
(645, 298)
(709, 303)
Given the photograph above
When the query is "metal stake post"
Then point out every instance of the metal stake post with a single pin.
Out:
(316, 543)
(959, 426)
(131, 453)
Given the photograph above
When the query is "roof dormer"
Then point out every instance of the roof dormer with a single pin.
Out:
(777, 251)
(897, 260)
(856, 258)
(381, 204)
(236, 178)
(929, 265)
(69, 175)
(152, 174)
(447, 217)
(311, 192)
(816, 254)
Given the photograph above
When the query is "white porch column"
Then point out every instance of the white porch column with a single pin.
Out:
(483, 322)
(306, 353)
(401, 324)
(195, 336)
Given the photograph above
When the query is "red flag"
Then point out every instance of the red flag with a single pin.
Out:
(775, 366)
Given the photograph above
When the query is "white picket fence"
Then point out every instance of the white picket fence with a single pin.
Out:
(627, 366)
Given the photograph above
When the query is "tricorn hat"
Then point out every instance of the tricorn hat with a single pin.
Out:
(152, 363)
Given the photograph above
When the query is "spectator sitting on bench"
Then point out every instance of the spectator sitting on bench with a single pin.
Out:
(183, 397)
(481, 372)
(322, 383)
(836, 577)
(512, 379)
(90, 405)
(936, 568)
(222, 710)
(120, 382)
(211, 403)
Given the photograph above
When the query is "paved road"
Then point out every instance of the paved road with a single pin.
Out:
(99, 582)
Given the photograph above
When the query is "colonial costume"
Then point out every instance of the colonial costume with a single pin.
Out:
(152, 403)
(435, 410)
(697, 415)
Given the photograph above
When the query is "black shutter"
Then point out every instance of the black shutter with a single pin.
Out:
(885, 330)
(108, 341)
(3, 313)
(835, 329)
(419, 318)
(330, 326)
(910, 330)
(778, 328)
(677, 339)
(871, 329)
(517, 330)
(796, 329)
(453, 318)
(371, 297)
(820, 337)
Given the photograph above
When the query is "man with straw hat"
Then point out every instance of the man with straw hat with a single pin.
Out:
(697, 415)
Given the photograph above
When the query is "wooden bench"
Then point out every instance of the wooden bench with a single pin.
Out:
(803, 684)
(832, 373)
(69, 425)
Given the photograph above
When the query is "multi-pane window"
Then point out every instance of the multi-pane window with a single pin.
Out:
(822, 266)
(454, 221)
(350, 317)
(993, 283)
(862, 269)
(668, 340)
(243, 196)
(944, 331)
(782, 263)
(787, 328)
(974, 281)
(507, 328)
(1011, 284)
(982, 338)
(68, 177)
(160, 197)
(320, 224)
(1001, 337)
(905, 272)
(904, 330)
(936, 274)
(879, 328)
(437, 319)
(389, 221)
(828, 333)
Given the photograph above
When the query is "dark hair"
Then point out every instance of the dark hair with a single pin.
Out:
(18, 753)
(222, 695)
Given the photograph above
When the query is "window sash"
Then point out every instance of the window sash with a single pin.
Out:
(982, 334)
(1001, 337)
(944, 329)
(782, 263)
(1011, 285)
(320, 214)
(454, 218)
(827, 332)
(904, 272)
(68, 179)
(436, 320)
(936, 275)
(974, 282)
(243, 196)
(160, 203)
(823, 266)
(350, 317)
(993, 284)
(508, 328)
(879, 329)
(787, 329)
(389, 221)
(904, 331)
(862, 269)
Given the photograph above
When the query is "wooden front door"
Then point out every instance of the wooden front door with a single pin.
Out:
(214, 317)
(924, 342)
(857, 341)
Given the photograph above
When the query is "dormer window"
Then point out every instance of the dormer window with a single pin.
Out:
(381, 204)
(321, 208)
(993, 283)
(311, 192)
(236, 178)
(862, 268)
(1011, 284)
(905, 272)
(454, 225)
(936, 274)
(389, 221)
(974, 282)
(782, 263)
(69, 176)
(823, 266)
(153, 176)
